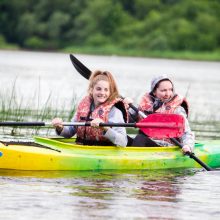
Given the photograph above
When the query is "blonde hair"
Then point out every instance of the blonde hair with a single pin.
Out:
(99, 75)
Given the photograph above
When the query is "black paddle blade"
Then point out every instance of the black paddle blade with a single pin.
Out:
(81, 68)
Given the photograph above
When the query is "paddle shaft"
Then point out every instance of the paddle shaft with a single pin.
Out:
(134, 125)
(131, 125)
(14, 123)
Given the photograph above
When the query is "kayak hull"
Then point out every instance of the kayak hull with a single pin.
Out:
(65, 154)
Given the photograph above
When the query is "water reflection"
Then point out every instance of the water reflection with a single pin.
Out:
(105, 185)
(108, 194)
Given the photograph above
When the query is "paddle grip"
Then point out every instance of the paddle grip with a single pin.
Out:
(139, 112)
(136, 109)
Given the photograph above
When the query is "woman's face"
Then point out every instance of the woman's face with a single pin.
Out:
(100, 92)
(164, 91)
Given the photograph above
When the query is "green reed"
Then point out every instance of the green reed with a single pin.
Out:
(15, 108)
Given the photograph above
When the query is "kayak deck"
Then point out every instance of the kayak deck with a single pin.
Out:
(65, 154)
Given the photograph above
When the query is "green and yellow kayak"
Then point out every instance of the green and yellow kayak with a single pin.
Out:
(65, 154)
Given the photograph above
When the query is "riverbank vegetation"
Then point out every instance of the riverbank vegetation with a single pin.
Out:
(162, 28)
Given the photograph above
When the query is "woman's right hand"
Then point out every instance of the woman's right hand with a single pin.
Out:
(127, 101)
(58, 123)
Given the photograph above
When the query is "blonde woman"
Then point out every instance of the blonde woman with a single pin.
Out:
(100, 105)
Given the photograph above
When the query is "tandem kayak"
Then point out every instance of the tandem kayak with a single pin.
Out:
(65, 154)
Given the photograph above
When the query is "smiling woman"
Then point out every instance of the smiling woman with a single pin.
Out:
(100, 105)
(163, 99)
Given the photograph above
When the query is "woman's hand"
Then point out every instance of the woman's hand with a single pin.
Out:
(128, 100)
(186, 149)
(58, 124)
(95, 123)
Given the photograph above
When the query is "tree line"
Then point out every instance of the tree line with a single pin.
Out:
(175, 25)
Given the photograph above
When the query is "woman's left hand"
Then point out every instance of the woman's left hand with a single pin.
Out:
(186, 149)
(95, 123)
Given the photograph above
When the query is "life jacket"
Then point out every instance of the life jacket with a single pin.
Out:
(146, 105)
(90, 135)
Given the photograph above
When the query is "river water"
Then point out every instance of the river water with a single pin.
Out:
(171, 194)
(168, 194)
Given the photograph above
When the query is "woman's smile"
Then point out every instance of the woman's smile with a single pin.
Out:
(100, 92)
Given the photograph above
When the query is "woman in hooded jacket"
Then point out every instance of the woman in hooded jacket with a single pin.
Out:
(163, 99)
